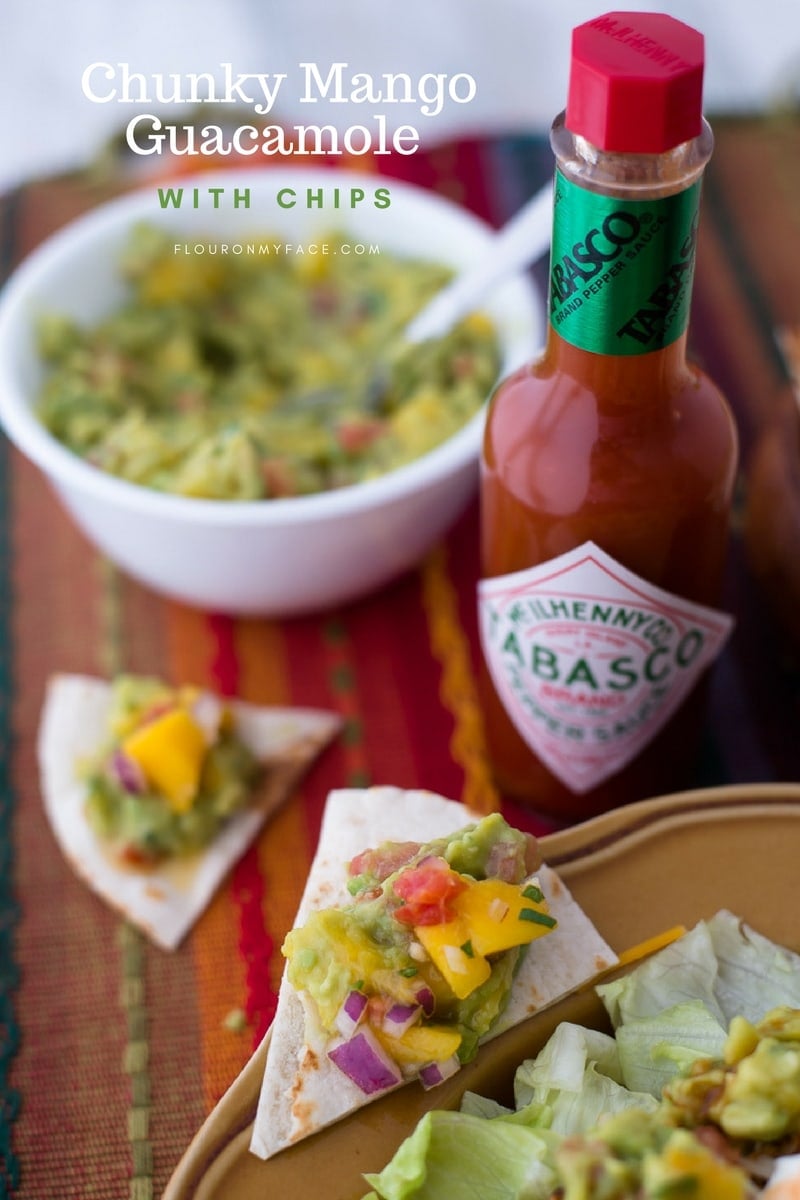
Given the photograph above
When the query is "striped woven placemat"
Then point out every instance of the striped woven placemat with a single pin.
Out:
(111, 1051)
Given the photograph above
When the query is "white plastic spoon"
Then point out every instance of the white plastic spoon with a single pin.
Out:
(521, 241)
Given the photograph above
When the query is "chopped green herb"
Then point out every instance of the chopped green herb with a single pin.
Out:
(408, 972)
(532, 892)
(467, 948)
(538, 918)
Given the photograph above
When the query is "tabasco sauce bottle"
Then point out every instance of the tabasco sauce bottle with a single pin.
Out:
(608, 464)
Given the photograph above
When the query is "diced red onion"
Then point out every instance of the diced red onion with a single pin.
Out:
(426, 999)
(127, 773)
(506, 861)
(351, 1014)
(384, 860)
(435, 1073)
(363, 1059)
(401, 1017)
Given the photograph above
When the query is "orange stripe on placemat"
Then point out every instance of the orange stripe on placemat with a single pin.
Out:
(458, 689)
(199, 654)
(343, 682)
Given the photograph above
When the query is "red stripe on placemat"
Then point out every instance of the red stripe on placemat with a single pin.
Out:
(255, 944)
(247, 882)
(408, 731)
(322, 675)
(326, 671)
(455, 170)
(224, 666)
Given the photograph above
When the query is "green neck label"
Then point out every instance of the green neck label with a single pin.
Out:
(621, 270)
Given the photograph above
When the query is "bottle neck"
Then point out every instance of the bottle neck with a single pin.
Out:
(630, 176)
(623, 249)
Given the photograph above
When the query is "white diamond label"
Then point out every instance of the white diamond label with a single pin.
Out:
(590, 661)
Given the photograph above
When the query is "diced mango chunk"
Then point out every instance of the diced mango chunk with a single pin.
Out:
(422, 1044)
(450, 949)
(479, 323)
(500, 915)
(709, 1177)
(170, 751)
(490, 916)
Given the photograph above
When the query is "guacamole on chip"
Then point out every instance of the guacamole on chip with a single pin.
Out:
(423, 931)
(153, 792)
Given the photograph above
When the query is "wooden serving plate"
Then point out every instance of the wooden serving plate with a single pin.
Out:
(636, 871)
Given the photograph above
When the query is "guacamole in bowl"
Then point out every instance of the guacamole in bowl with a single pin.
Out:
(289, 553)
(250, 377)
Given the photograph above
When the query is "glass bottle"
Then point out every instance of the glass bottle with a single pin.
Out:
(608, 464)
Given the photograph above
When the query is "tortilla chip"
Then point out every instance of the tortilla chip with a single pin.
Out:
(164, 900)
(302, 1091)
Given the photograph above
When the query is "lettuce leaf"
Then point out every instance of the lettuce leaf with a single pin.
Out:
(753, 973)
(724, 963)
(653, 1049)
(685, 970)
(459, 1156)
(668, 1011)
(577, 1077)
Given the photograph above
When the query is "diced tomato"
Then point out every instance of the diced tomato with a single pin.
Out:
(427, 890)
(463, 366)
(356, 434)
(188, 401)
(278, 477)
(135, 856)
(377, 1008)
(324, 300)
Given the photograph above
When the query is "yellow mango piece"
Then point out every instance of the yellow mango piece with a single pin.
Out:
(490, 910)
(170, 279)
(479, 323)
(698, 1171)
(170, 751)
(449, 948)
(311, 268)
(421, 1044)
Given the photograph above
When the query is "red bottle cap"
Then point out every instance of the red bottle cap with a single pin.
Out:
(636, 82)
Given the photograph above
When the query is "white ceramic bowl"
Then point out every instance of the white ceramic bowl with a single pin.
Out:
(269, 557)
